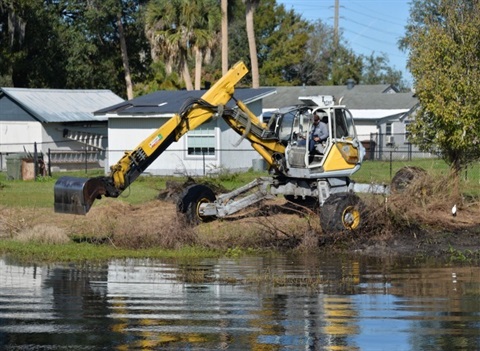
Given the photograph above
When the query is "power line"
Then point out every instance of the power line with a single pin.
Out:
(368, 26)
(388, 53)
(359, 23)
(372, 38)
(369, 15)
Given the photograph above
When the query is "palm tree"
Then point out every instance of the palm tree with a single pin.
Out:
(202, 21)
(250, 6)
(175, 28)
(167, 36)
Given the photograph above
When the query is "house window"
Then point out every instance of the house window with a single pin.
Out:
(201, 141)
(388, 129)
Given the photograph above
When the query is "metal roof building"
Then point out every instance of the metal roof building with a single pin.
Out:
(56, 120)
(56, 105)
(289, 95)
(166, 103)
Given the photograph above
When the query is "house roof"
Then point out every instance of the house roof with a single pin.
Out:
(168, 102)
(376, 101)
(289, 95)
(61, 105)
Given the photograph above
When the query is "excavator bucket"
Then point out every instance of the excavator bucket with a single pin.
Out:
(76, 195)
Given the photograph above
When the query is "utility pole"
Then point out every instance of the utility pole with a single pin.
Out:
(336, 35)
(336, 24)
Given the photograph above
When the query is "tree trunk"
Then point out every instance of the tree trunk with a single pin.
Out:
(198, 68)
(224, 37)
(251, 42)
(16, 29)
(186, 74)
(126, 65)
(455, 173)
(169, 65)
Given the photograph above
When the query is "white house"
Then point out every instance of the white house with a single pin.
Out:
(57, 119)
(209, 148)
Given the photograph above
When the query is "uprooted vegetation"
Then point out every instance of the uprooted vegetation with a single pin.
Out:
(418, 219)
(427, 203)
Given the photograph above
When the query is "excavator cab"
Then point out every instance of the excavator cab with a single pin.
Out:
(341, 152)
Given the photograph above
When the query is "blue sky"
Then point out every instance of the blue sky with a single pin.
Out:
(368, 25)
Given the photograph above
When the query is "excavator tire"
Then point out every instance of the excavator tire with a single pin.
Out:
(341, 212)
(189, 203)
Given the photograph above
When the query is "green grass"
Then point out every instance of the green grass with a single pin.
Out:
(383, 171)
(36, 194)
(39, 194)
(78, 252)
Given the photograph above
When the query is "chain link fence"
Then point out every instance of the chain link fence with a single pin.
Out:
(379, 147)
(385, 147)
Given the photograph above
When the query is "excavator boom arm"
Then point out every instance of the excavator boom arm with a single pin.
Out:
(76, 195)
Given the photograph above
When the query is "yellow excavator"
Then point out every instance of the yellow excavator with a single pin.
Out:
(319, 177)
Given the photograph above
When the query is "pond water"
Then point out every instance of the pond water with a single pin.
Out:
(249, 303)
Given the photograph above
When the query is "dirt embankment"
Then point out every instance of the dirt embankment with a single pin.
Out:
(417, 221)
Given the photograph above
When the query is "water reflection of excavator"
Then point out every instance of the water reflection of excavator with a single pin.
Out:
(300, 175)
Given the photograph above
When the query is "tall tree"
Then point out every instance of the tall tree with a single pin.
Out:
(282, 40)
(29, 45)
(346, 65)
(124, 53)
(117, 14)
(280, 36)
(250, 6)
(376, 70)
(168, 36)
(158, 15)
(316, 65)
(12, 36)
(69, 44)
(328, 60)
(444, 59)
(205, 19)
(97, 46)
(179, 28)
(224, 7)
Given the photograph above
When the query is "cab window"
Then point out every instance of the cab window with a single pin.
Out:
(343, 126)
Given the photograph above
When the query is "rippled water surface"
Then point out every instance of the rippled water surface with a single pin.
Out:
(254, 303)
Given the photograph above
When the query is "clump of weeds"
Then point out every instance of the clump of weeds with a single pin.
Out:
(153, 224)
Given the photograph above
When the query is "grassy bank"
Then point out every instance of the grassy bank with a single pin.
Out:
(139, 225)
(78, 252)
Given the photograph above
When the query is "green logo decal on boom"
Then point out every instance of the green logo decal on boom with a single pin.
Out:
(155, 141)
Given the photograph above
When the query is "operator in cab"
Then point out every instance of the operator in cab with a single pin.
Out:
(319, 132)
